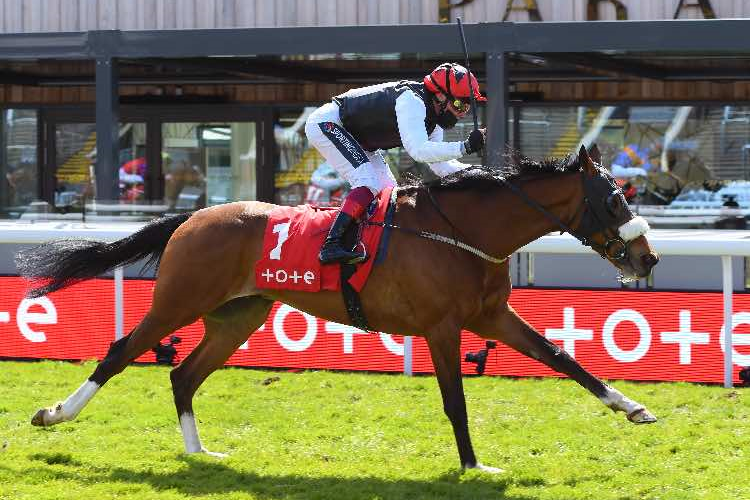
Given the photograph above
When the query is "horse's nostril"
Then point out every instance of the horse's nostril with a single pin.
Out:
(650, 259)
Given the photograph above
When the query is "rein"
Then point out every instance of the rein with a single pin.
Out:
(439, 237)
(442, 239)
(549, 215)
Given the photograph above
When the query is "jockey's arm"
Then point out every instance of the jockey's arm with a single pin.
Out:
(410, 116)
(443, 168)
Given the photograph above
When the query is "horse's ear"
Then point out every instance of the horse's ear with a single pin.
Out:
(595, 154)
(584, 160)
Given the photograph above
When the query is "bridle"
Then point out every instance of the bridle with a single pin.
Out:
(603, 218)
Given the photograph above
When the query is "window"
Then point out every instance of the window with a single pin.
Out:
(75, 159)
(19, 186)
(208, 164)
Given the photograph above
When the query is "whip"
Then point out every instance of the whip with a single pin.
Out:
(471, 91)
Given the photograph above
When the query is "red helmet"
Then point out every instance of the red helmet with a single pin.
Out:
(451, 79)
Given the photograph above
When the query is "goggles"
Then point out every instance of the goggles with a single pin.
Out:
(461, 105)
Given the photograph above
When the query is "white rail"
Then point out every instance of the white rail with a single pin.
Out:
(693, 242)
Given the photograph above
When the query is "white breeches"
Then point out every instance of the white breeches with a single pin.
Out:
(359, 167)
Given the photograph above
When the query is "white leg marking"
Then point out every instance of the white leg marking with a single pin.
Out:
(485, 468)
(192, 440)
(636, 412)
(69, 409)
(76, 401)
(190, 433)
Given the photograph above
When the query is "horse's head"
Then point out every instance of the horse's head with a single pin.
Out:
(608, 225)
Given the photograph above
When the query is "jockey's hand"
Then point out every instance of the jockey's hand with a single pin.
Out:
(475, 142)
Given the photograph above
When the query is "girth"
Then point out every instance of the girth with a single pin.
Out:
(352, 301)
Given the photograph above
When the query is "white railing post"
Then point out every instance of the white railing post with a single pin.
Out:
(726, 268)
(530, 271)
(119, 309)
(408, 368)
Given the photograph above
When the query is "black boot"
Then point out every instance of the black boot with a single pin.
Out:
(332, 250)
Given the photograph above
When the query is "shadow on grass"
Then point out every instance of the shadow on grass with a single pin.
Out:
(201, 477)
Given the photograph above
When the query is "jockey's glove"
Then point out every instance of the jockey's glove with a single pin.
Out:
(475, 142)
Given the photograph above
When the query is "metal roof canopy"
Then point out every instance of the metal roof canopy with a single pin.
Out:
(721, 36)
(569, 52)
(617, 47)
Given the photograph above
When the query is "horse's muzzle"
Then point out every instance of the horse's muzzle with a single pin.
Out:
(650, 260)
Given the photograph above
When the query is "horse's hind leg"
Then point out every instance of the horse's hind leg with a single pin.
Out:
(509, 328)
(226, 329)
(144, 336)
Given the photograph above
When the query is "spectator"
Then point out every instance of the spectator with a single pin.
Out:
(132, 175)
(22, 183)
(635, 160)
(325, 183)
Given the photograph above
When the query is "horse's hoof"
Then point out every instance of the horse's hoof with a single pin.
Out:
(38, 418)
(484, 468)
(48, 416)
(214, 454)
(641, 416)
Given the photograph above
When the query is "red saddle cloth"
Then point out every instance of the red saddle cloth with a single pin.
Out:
(291, 243)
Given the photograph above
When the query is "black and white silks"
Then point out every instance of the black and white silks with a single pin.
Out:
(381, 117)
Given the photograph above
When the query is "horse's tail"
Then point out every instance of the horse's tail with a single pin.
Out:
(60, 263)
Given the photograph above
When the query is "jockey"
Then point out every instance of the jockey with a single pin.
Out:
(350, 130)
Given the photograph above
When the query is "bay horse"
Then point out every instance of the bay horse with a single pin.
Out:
(206, 272)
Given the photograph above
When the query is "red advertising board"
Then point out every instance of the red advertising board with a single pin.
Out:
(636, 335)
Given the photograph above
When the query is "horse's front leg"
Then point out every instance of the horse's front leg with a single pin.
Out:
(508, 327)
(444, 344)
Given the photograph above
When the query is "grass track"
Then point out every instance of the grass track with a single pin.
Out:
(322, 435)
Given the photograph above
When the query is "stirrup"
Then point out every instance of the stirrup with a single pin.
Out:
(364, 253)
(362, 257)
(343, 256)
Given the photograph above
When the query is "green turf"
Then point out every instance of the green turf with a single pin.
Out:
(322, 435)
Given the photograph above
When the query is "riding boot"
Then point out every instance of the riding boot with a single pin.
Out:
(352, 209)
(333, 249)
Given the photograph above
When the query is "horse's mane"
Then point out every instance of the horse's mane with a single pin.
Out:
(482, 178)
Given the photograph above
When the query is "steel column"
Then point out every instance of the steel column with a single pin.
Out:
(497, 107)
(5, 198)
(107, 130)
